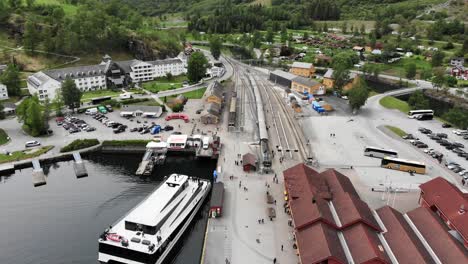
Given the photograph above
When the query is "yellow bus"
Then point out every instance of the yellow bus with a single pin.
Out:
(403, 165)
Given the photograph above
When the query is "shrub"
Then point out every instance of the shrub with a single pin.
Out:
(80, 144)
(134, 101)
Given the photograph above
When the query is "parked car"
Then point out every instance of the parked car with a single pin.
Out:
(452, 166)
(168, 128)
(458, 145)
(460, 132)
(73, 130)
(429, 151)
(119, 130)
(444, 143)
(176, 133)
(422, 145)
(434, 137)
(446, 125)
(134, 129)
(449, 146)
(449, 162)
(89, 129)
(410, 136)
(457, 150)
(457, 169)
(32, 143)
(442, 135)
(465, 137)
(109, 108)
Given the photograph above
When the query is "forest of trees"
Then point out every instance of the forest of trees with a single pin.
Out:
(96, 26)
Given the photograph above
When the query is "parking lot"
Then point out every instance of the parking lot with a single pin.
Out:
(353, 132)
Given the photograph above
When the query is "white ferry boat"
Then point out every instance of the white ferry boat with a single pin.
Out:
(151, 229)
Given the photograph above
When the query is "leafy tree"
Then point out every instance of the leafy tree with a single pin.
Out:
(71, 94)
(344, 27)
(34, 121)
(30, 37)
(305, 35)
(426, 74)
(215, 47)
(30, 3)
(410, 69)
(345, 59)
(256, 39)
(437, 58)
(197, 65)
(46, 114)
(4, 11)
(58, 102)
(457, 116)
(340, 77)
(284, 34)
(15, 4)
(270, 35)
(451, 81)
(11, 79)
(169, 76)
(49, 44)
(438, 78)
(363, 29)
(418, 101)
(30, 113)
(2, 114)
(358, 94)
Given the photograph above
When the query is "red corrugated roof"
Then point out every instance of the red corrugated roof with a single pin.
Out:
(301, 180)
(338, 182)
(448, 199)
(352, 210)
(318, 243)
(435, 232)
(405, 245)
(305, 212)
(364, 244)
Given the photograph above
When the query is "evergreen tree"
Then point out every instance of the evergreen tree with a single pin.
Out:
(284, 34)
(30, 37)
(71, 94)
(34, 120)
(437, 58)
(358, 94)
(49, 44)
(270, 35)
(215, 47)
(410, 70)
(46, 115)
(363, 29)
(418, 101)
(438, 78)
(11, 79)
(197, 65)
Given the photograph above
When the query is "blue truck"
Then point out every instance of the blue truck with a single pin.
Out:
(317, 107)
(155, 129)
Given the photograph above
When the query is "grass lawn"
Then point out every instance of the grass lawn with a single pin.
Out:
(3, 137)
(157, 87)
(398, 67)
(87, 96)
(24, 154)
(397, 131)
(197, 94)
(391, 102)
(175, 79)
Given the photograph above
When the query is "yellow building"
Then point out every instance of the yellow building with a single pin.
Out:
(302, 69)
(302, 85)
(328, 81)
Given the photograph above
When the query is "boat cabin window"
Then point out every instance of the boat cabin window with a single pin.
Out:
(172, 184)
(137, 227)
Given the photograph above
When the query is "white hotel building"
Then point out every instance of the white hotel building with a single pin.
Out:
(95, 77)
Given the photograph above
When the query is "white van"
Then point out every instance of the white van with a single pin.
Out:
(206, 142)
(126, 96)
(91, 111)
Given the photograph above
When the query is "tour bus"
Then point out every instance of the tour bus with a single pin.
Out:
(416, 113)
(403, 165)
(380, 152)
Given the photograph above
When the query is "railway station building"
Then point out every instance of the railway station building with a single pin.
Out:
(305, 85)
(333, 225)
(282, 78)
(303, 69)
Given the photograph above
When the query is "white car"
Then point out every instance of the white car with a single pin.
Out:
(344, 97)
(463, 172)
(429, 151)
(33, 143)
(460, 132)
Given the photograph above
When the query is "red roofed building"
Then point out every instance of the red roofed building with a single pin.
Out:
(365, 245)
(351, 210)
(404, 243)
(447, 201)
(321, 245)
(435, 233)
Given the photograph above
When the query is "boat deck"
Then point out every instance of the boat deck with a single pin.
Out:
(166, 204)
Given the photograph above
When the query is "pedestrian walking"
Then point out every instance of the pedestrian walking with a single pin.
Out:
(274, 261)
(275, 202)
(281, 247)
(263, 221)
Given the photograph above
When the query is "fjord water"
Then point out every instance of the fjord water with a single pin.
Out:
(61, 221)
